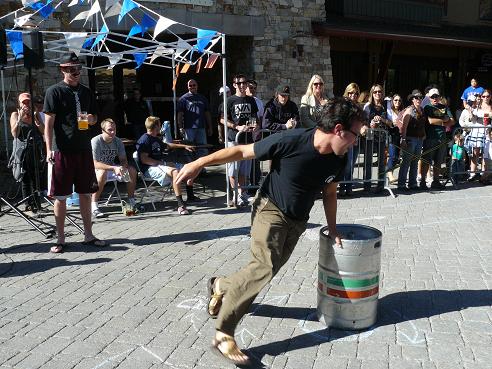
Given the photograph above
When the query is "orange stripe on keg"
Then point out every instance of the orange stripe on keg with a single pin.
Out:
(352, 294)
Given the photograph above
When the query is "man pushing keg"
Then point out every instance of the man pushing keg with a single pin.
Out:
(304, 162)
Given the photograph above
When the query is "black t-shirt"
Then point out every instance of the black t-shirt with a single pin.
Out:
(60, 100)
(432, 131)
(153, 146)
(298, 171)
(240, 110)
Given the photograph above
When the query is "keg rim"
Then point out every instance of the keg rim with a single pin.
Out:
(378, 234)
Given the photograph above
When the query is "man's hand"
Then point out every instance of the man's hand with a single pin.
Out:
(243, 128)
(188, 173)
(91, 118)
(49, 157)
(189, 148)
(333, 234)
(118, 170)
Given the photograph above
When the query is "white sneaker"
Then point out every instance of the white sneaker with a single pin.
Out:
(96, 213)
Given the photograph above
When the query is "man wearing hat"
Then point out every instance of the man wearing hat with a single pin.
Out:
(68, 107)
(280, 112)
(435, 141)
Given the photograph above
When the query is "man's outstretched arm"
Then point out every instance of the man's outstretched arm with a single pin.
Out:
(228, 155)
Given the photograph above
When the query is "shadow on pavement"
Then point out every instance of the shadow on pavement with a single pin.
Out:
(27, 267)
(393, 309)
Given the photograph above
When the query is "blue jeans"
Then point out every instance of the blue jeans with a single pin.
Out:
(393, 153)
(197, 136)
(348, 171)
(410, 160)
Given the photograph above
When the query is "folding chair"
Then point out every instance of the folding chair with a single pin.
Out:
(112, 178)
(144, 180)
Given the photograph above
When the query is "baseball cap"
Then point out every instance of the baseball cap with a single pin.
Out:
(68, 60)
(283, 90)
(471, 98)
(221, 90)
(24, 96)
(433, 91)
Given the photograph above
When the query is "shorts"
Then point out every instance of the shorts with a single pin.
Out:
(435, 155)
(71, 172)
(243, 167)
(159, 174)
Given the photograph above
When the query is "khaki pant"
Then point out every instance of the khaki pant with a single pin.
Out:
(273, 238)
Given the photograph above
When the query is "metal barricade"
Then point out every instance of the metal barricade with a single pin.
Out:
(477, 149)
(256, 173)
(369, 152)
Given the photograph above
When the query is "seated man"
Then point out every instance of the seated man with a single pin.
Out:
(105, 148)
(151, 151)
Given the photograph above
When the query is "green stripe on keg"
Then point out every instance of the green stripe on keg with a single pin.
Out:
(352, 283)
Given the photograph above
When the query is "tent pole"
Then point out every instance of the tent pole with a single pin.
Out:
(174, 99)
(224, 96)
(4, 106)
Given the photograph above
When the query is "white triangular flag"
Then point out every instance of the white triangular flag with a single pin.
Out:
(19, 22)
(114, 59)
(109, 4)
(75, 40)
(115, 10)
(80, 16)
(162, 24)
(95, 9)
(182, 46)
(74, 2)
(160, 51)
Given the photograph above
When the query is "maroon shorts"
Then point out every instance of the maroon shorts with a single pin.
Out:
(72, 170)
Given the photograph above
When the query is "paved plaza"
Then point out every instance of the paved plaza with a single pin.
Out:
(141, 303)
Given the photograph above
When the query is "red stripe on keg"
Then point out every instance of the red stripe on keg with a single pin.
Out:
(352, 294)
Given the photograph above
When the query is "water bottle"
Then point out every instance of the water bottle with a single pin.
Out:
(166, 132)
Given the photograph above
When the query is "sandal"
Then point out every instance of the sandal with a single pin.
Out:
(183, 211)
(95, 242)
(57, 248)
(232, 350)
(214, 299)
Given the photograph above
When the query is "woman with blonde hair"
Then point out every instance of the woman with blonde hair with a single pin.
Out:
(352, 93)
(312, 102)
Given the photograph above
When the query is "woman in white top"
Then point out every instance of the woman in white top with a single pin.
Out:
(312, 102)
(475, 140)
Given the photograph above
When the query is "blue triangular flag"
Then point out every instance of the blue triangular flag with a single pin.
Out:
(104, 30)
(46, 11)
(147, 22)
(37, 5)
(88, 43)
(139, 59)
(204, 36)
(137, 28)
(126, 7)
(15, 38)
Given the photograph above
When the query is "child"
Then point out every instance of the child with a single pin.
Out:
(487, 156)
(457, 158)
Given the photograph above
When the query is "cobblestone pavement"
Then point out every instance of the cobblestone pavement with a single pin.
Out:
(140, 303)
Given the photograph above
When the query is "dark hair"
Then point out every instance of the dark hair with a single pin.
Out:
(253, 82)
(239, 76)
(340, 110)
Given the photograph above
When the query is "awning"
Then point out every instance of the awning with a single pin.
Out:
(474, 37)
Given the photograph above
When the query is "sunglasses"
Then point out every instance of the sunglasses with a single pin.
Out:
(397, 100)
(485, 96)
(191, 85)
(435, 96)
(241, 83)
(378, 92)
(353, 93)
(354, 133)
(72, 70)
(417, 97)
(318, 84)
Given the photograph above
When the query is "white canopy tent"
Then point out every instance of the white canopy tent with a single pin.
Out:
(101, 43)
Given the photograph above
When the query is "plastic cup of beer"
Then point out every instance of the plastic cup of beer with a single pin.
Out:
(83, 122)
(486, 119)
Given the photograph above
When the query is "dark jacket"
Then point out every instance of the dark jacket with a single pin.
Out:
(277, 115)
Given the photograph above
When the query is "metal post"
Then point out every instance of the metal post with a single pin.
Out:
(174, 99)
(224, 96)
(4, 105)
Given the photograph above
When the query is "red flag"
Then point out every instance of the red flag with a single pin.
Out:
(211, 60)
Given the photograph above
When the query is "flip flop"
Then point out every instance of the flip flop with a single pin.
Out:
(227, 355)
(214, 299)
(95, 242)
(57, 248)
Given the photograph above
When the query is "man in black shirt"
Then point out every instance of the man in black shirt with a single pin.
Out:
(241, 111)
(304, 161)
(69, 108)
